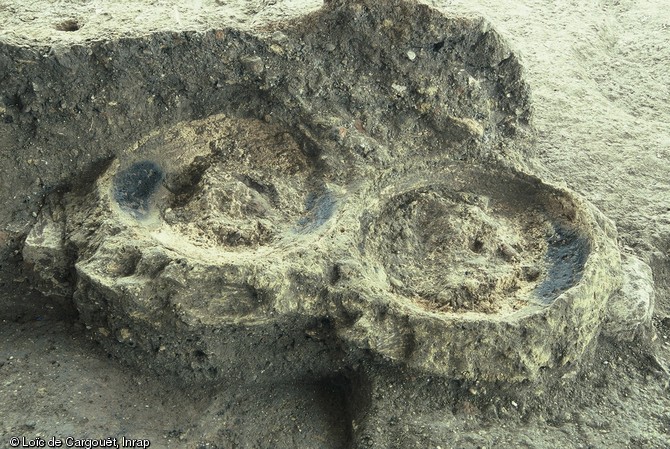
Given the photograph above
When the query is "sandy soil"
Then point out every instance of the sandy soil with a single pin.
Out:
(601, 95)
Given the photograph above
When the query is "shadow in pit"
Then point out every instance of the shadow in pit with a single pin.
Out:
(659, 262)
(20, 303)
(316, 413)
(336, 398)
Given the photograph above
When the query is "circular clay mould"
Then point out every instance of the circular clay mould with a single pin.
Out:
(478, 272)
(202, 234)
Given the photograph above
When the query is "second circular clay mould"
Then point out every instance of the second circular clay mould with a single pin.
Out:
(478, 272)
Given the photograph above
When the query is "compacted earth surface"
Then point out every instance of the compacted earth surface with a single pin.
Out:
(284, 224)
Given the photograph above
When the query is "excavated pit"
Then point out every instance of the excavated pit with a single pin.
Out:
(307, 207)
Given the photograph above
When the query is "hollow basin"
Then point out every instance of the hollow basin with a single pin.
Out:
(477, 272)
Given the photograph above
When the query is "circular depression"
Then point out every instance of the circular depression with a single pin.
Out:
(223, 182)
(483, 242)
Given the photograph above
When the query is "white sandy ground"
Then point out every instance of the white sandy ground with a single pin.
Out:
(37, 21)
(601, 89)
(600, 77)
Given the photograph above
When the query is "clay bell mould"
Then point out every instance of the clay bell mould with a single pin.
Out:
(472, 272)
(201, 252)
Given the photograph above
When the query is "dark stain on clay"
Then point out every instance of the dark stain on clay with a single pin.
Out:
(566, 255)
(319, 210)
(135, 185)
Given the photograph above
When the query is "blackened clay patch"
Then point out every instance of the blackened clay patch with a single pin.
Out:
(566, 256)
(134, 186)
(319, 210)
